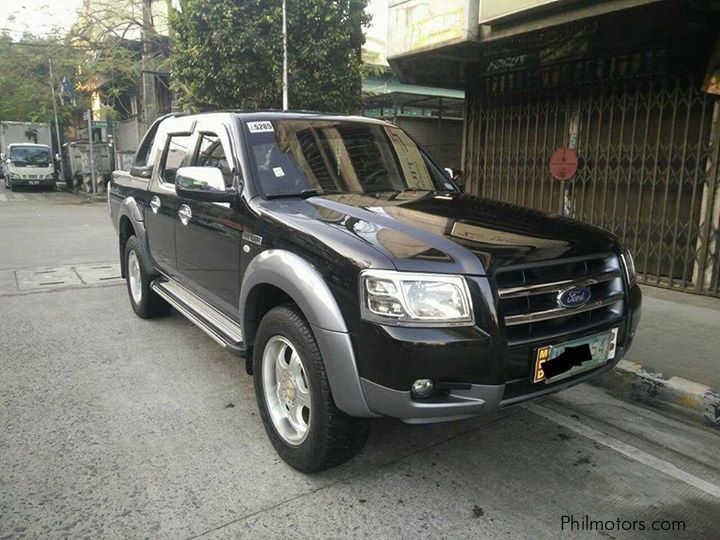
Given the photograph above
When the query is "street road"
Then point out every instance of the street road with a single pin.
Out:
(111, 426)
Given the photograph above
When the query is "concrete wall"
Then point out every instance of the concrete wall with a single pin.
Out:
(127, 138)
(441, 138)
(128, 134)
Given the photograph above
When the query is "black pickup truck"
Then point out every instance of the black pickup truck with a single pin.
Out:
(357, 280)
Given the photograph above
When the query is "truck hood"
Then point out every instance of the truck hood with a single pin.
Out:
(454, 233)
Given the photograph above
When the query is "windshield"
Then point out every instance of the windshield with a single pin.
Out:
(29, 156)
(294, 156)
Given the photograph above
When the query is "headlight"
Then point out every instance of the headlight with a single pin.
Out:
(628, 264)
(407, 298)
(13, 176)
(49, 177)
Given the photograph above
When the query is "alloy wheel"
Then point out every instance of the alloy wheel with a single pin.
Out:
(286, 390)
(134, 277)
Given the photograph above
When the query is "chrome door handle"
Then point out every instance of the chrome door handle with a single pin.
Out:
(185, 214)
(155, 204)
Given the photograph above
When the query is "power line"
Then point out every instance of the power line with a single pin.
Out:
(48, 44)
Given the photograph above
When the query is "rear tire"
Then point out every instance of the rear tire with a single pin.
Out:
(145, 302)
(289, 375)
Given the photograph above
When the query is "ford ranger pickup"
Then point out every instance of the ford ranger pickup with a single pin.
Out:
(357, 280)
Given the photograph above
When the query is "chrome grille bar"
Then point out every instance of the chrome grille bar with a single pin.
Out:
(557, 286)
(556, 313)
(529, 296)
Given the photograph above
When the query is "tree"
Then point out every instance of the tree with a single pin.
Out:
(112, 31)
(228, 53)
(25, 94)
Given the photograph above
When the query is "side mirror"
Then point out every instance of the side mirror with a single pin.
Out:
(2, 157)
(141, 171)
(203, 184)
(449, 172)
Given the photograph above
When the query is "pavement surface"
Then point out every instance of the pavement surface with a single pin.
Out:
(679, 335)
(111, 426)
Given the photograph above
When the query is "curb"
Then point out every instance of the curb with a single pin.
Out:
(94, 197)
(636, 382)
(89, 197)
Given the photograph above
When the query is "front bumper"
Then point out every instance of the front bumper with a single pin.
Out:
(463, 403)
(455, 405)
(477, 374)
(31, 182)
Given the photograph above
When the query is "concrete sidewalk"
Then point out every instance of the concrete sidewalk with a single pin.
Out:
(679, 335)
(675, 360)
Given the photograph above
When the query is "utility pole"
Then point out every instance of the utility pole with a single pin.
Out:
(57, 125)
(92, 150)
(148, 78)
(285, 59)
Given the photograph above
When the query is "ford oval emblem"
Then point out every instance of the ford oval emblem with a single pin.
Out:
(575, 297)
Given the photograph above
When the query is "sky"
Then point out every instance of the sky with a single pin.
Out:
(39, 17)
(378, 25)
(43, 17)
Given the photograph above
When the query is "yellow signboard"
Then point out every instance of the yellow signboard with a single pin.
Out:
(422, 24)
(437, 28)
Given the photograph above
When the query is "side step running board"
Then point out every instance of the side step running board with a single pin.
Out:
(211, 321)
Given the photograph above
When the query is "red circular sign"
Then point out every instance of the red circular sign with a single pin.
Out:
(563, 163)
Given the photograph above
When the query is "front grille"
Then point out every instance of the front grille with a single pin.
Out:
(528, 297)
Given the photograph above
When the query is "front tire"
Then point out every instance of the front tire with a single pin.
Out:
(293, 394)
(145, 302)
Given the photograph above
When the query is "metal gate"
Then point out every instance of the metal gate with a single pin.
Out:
(647, 152)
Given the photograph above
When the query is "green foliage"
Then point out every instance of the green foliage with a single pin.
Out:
(115, 71)
(228, 54)
(25, 94)
(110, 32)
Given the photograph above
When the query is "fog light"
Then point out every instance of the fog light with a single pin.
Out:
(422, 387)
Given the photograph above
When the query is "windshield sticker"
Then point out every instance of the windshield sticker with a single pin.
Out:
(260, 127)
(278, 171)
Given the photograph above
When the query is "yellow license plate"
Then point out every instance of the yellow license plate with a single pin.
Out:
(602, 348)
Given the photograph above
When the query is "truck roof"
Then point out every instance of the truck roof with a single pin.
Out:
(271, 114)
(296, 115)
(27, 144)
(19, 123)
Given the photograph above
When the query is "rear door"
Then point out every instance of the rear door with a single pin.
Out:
(208, 247)
(163, 204)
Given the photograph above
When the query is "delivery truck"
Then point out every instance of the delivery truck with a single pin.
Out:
(26, 155)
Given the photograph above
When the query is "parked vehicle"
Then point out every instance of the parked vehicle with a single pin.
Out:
(26, 156)
(357, 280)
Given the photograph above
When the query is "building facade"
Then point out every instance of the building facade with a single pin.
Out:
(625, 87)
(132, 38)
(432, 116)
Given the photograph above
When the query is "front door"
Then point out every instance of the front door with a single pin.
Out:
(163, 204)
(208, 244)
